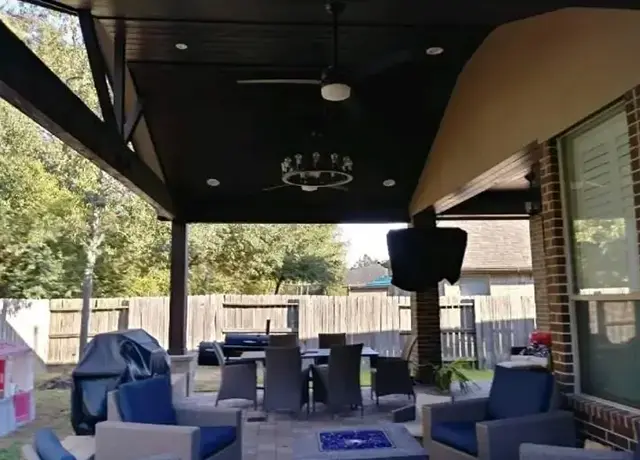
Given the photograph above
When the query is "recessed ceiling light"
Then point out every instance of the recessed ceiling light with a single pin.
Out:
(434, 51)
(389, 183)
(182, 46)
(213, 182)
(309, 188)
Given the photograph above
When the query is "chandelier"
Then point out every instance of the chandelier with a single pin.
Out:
(315, 170)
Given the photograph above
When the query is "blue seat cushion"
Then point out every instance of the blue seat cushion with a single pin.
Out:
(519, 392)
(48, 446)
(459, 435)
(147, 401)
(215, 438)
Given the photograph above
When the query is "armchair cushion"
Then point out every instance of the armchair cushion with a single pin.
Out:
(519, 392)
(147, 401)
(215, 438)
(459, 435)
(48, 446)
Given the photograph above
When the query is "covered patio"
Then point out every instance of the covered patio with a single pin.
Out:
(425, 112)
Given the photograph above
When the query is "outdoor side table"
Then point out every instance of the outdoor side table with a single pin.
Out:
(375, 442)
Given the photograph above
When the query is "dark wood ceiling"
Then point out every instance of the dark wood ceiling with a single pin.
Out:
(204, 125)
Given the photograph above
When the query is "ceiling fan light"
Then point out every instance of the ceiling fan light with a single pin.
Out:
(335, 92)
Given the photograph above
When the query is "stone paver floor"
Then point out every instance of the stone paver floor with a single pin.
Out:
(272, 439)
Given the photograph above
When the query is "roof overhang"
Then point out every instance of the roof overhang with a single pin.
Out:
(529, 81)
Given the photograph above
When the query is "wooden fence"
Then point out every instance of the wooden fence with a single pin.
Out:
(478, 328)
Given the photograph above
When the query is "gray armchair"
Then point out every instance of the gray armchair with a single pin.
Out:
(543, 452)
(286, 386)
(517, 411)
(143, 421)
(338, 384)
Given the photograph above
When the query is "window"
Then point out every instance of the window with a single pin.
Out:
(604, 257)
(609, 350)
(601, 208)
(470, 286)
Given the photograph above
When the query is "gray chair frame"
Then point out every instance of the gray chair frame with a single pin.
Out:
(286, 383)
(545, 452)
(392, 375)
(328, 340)
(239, 378)
(338, 384)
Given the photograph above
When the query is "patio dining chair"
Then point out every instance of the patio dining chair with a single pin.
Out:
(392, 375)
(286, 386)
(283, 340)
(239, 378)
(326, 341)
(338, 384)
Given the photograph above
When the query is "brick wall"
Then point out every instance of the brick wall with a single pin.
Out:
(539, 272)
(596, 420)
(555, 264)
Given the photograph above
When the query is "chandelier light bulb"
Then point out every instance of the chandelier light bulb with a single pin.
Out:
(335, 92)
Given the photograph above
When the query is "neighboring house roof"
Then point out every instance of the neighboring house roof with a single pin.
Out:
(383, 281)
(495, 244)
(363, 275)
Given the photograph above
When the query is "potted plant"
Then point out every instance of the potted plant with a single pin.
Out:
(447, 374)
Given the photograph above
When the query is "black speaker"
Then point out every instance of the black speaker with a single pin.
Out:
(420, 258)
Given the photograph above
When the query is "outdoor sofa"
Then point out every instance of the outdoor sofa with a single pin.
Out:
(143, 420)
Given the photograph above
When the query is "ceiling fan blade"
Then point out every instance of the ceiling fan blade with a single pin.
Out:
(268, 189)
(279, 81)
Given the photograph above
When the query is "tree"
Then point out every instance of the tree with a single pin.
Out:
(366, 261)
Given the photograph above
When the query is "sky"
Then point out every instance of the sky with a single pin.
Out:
(370, 239)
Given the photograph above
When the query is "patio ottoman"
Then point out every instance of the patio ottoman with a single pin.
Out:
(375, 442)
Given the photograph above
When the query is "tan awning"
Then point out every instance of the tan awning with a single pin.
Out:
(529, 81)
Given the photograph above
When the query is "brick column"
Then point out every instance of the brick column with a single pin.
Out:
(539, 272)
(555, 265)
(425, 318)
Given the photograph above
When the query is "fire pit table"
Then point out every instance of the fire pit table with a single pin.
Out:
(374, 442)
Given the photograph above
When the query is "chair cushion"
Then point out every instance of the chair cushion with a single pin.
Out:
(215, 438)
(147, 401)
(459, 435)
(48, 446)
(519, 392)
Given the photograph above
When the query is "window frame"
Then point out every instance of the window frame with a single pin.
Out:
(618, 107)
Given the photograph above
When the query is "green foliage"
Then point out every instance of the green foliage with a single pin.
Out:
(62, 220)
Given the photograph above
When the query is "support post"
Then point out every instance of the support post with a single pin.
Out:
(178, 289)
(425, 316)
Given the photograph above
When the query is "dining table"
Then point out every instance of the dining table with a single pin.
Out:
(309, 353)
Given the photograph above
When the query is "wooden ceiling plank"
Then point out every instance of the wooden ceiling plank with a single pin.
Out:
(28, 84)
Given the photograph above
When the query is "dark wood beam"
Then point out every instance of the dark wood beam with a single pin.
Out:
(98, 67)
(132, 122)
(492, 204)
(29, 85)
(119, 73)
(178, 289)
(513, 168)
(246, 211)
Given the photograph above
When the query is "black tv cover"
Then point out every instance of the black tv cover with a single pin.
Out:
(420, 258)
(110, 360)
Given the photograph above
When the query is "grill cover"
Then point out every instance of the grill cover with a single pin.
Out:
(246, 340)
(109, 360)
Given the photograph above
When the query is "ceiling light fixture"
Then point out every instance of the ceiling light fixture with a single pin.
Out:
(313, 171)
(182, 46)
(213, 182)
(434, 51)
(389, 183)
